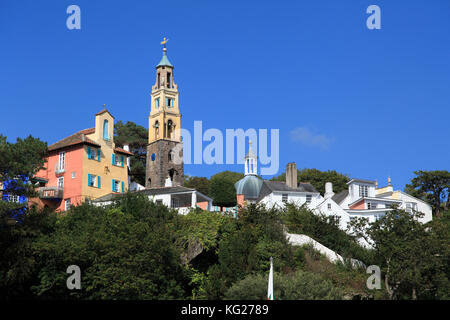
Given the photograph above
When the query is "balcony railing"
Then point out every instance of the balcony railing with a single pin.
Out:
(59, 170)
(50, 193)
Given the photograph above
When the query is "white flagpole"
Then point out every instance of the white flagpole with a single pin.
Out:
(270, 285)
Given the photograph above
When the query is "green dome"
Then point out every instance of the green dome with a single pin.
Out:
(249, 186)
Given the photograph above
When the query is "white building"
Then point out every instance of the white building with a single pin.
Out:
(275, 194)
(364, 199)
(180, 198)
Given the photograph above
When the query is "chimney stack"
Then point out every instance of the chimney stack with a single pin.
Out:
(291, 175)
(328, 190)
(126, 147)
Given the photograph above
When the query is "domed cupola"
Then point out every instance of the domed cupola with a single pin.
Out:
(250, 185)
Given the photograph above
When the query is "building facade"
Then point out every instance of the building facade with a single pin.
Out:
(84, 166)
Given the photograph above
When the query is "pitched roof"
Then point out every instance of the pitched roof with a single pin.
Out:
(103, 111)
(339, 197)
(270, 186)
(76, 138)
(150, 192)
(120, 150)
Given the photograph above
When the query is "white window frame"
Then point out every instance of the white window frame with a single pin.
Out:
(363, 191)
(62, 161)
(308, 198)
(285, 197)
(67, 204)
(58, 184)
(118, 162)
(13, 198)
(93, 179)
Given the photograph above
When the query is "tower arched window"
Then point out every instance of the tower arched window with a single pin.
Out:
(156, 129)
(105, 130)
(170, 127)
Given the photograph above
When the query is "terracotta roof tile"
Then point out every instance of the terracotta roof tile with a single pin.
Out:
(120, 150)
(103, 111)
(76, 138)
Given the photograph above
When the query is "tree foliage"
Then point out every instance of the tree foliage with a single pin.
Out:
(221, 188)
(432, 187)
(122, 253)
(200, 184)
(136, 137)
(415, 257)
(300, 285)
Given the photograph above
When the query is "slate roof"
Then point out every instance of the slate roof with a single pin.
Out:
(76, 138)
(339, 197)
(270, 186)
(148, 192)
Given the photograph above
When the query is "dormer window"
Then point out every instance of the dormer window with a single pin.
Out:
(105, 130)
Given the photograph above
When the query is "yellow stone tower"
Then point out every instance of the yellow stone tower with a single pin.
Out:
(164, 125)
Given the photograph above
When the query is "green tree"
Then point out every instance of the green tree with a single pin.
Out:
(200, 184)
(19, 226)
(246, 245)
(221, 188)
(136, 137)
(318, 179)
(125, 251)
(324, 229)
(415, 257)
(433, 187)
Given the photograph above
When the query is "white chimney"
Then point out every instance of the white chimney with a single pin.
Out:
(328, 190)
(127, 148)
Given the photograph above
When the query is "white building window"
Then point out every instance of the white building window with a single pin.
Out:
(61, 182)
(284, 197)
(13, 198)
(92, 180)
(411, 206)
(62, 161)
(363, 191)
(67, 204)
(371, 205)
(329, 206)
(308, 198)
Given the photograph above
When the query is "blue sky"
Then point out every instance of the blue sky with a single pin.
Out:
(368, 103)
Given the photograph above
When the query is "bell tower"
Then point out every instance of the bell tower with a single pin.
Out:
(165, 149)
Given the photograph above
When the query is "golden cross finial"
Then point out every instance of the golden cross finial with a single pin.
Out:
(164, 41)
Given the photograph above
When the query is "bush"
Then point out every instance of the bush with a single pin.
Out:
(300, 285)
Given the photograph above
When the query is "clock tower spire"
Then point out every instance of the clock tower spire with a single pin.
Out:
(164, 137)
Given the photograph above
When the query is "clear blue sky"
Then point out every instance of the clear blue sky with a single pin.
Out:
(368, 103)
